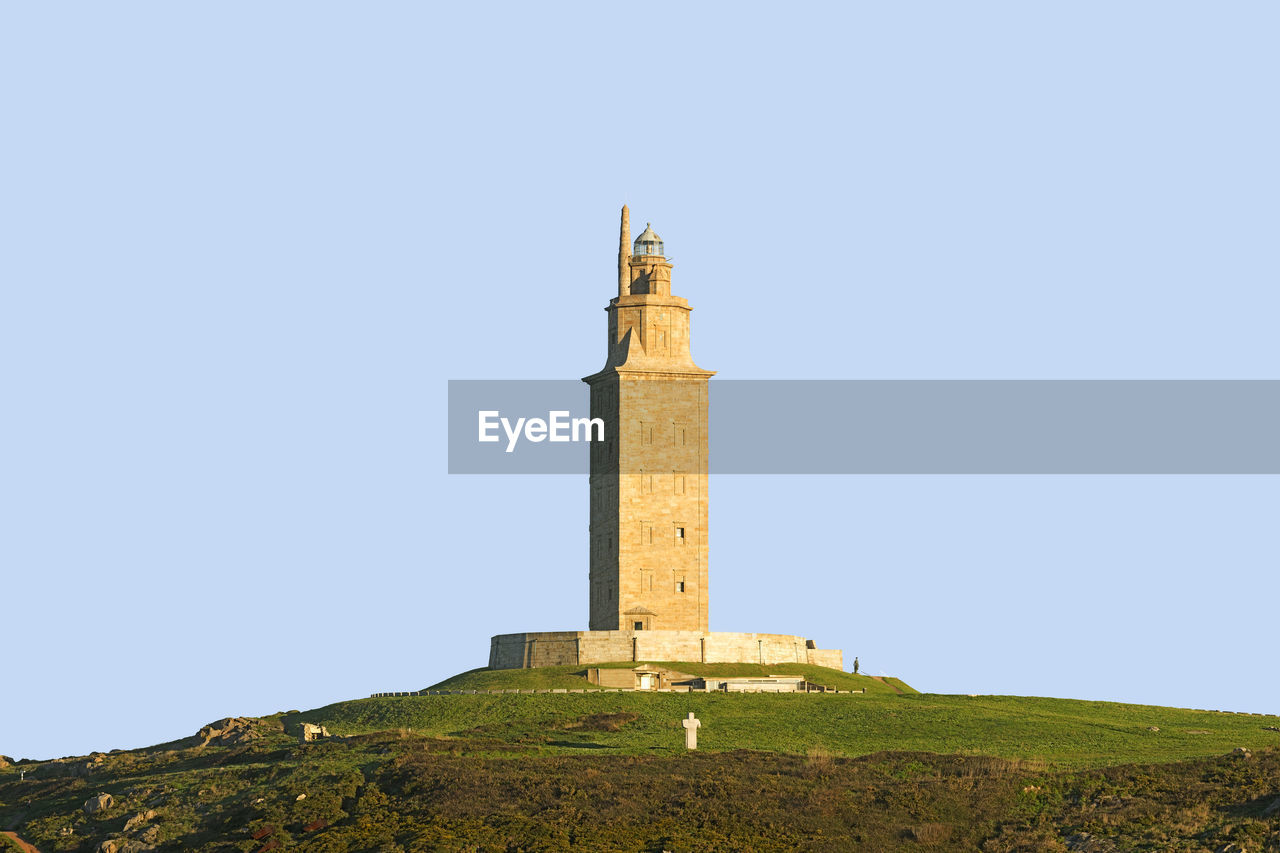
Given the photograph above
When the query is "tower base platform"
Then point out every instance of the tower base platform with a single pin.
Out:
(565, 648)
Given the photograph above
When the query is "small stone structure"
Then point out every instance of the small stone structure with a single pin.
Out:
(758, 684)
(643, 677)
(311, 732)
(652, 677)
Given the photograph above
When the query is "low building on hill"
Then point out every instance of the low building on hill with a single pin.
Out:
(759, 684)
(643, 677)
(650, 677)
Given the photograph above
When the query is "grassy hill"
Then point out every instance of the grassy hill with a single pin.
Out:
(1062, 733)
(607, 771)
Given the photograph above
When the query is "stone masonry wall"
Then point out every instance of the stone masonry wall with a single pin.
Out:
(566, 648)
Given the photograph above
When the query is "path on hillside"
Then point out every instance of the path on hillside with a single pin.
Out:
(27, 846)
(896, 688)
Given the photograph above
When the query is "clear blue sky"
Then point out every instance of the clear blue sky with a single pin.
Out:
(243, 246)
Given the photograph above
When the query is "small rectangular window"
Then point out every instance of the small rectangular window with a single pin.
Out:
(680, 533)
(639, 626)
(679, 586)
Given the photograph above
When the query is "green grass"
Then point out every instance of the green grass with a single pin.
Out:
(1063, 733)
(608, 772)
(543, 678)
(900, 684)
(570, 677)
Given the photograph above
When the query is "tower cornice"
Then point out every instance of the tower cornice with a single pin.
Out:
(621, 372)
(636, 299)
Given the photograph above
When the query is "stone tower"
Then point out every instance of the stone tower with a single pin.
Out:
(649, 497)
(649, 477)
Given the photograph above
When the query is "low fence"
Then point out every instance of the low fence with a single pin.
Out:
(605, 690)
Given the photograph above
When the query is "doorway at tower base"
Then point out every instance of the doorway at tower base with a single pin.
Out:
(565, 648)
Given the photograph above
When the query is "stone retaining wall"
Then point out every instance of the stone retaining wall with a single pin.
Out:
(565, 648)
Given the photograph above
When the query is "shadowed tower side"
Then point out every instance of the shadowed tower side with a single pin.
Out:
(649, 477)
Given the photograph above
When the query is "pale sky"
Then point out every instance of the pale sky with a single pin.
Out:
(246, 245)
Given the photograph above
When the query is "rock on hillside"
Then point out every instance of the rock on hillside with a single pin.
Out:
(230, 731)
(102, 802)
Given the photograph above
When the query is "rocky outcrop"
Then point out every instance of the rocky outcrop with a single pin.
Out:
(228, 732)
(139, 819)
(78, 769)
(100, 803)
(1083, 842)
(125, 845)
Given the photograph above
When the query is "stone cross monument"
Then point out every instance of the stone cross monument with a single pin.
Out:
(691, 731)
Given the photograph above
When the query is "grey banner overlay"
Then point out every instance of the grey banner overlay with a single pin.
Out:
(917, 427)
